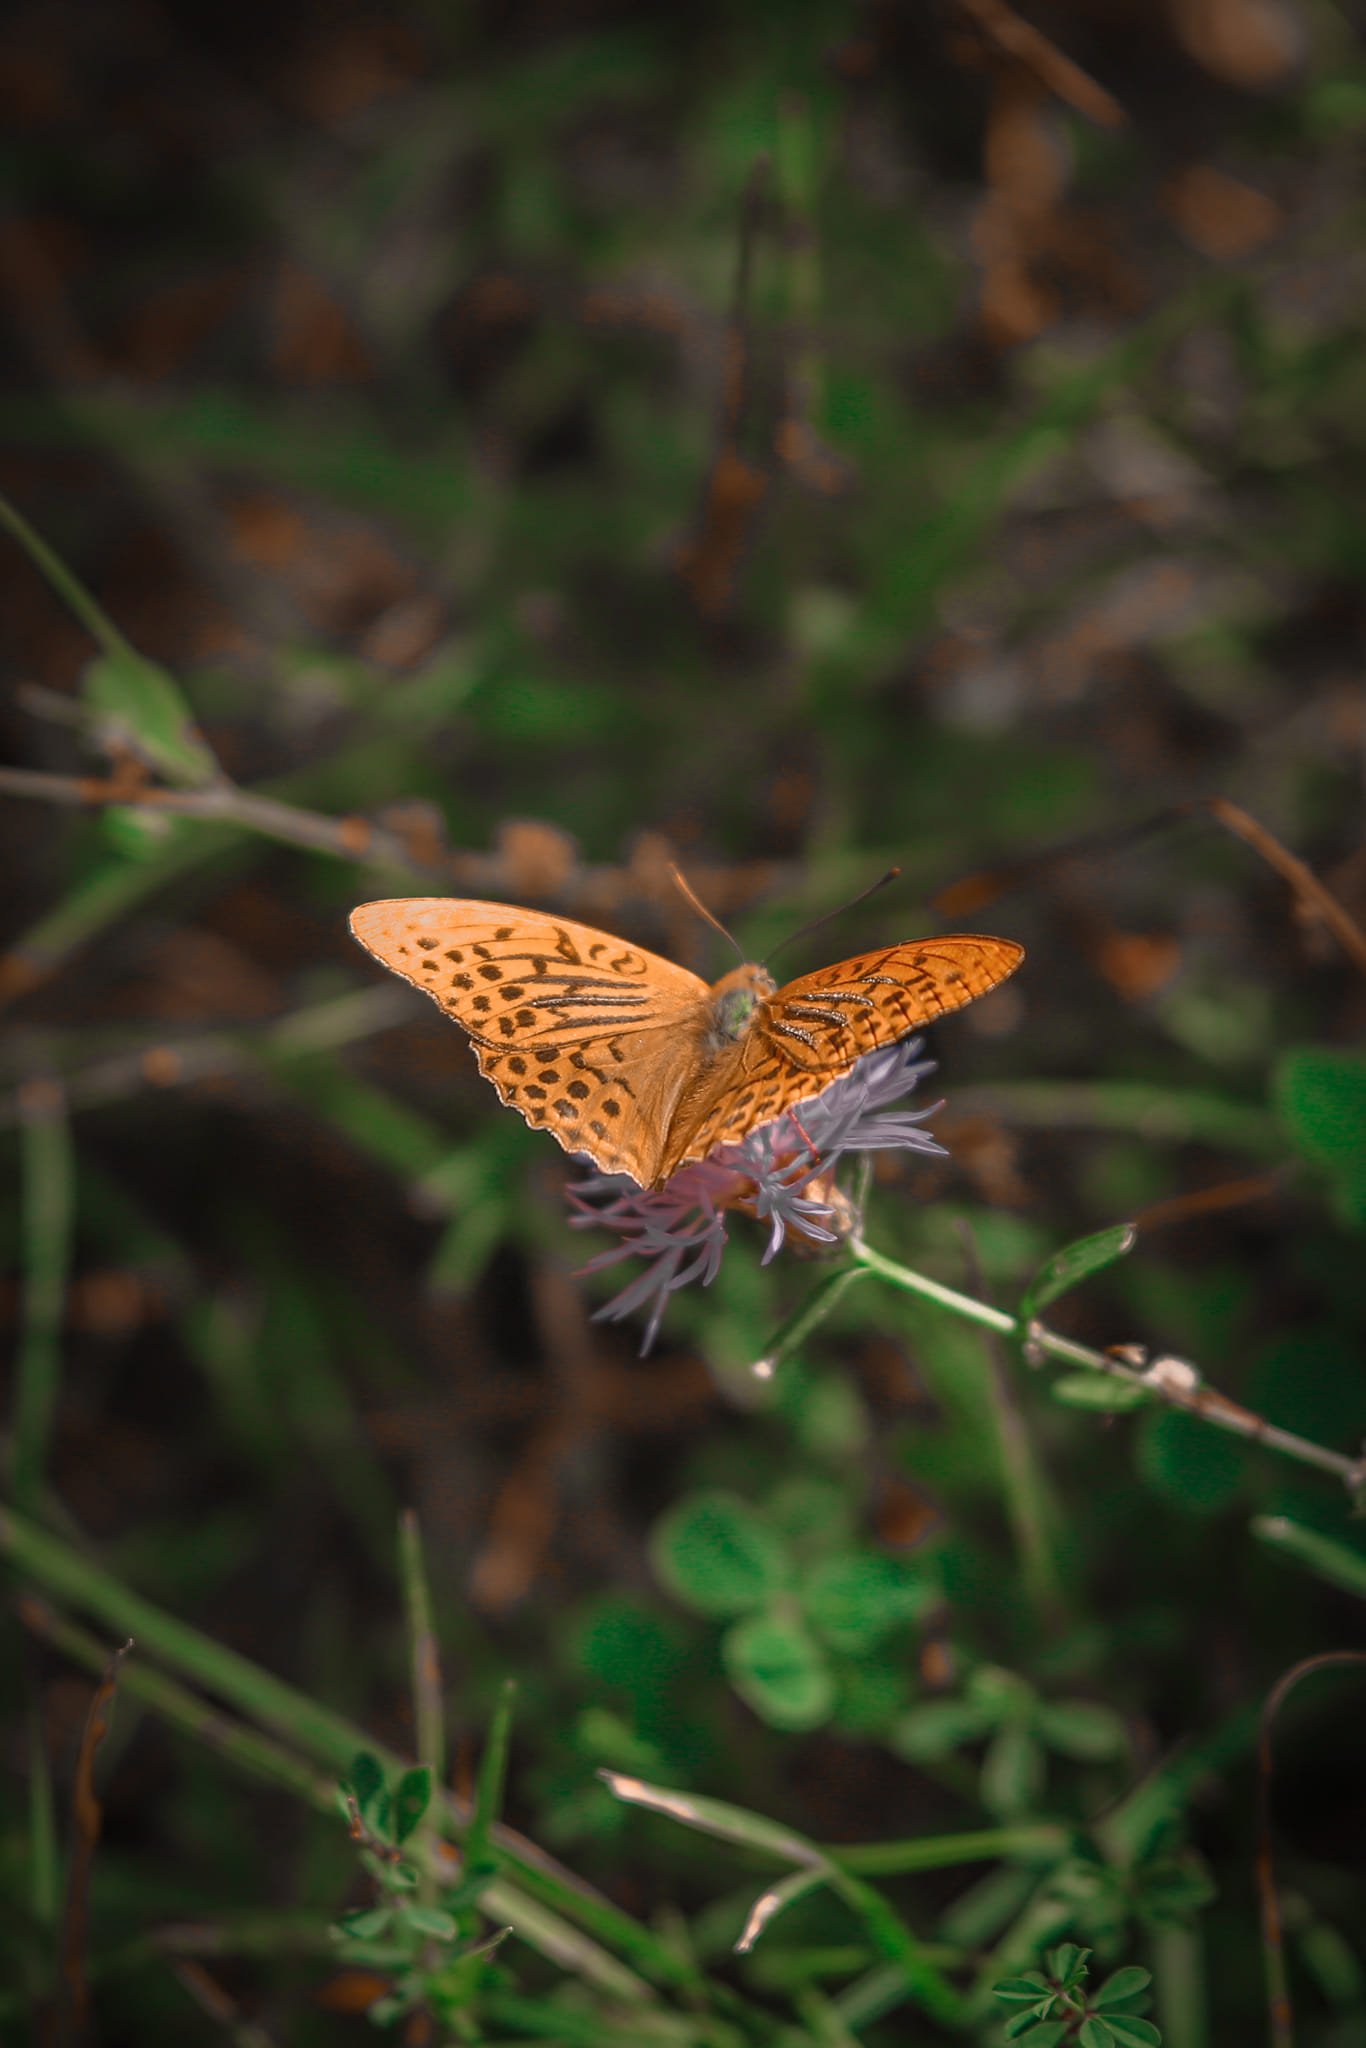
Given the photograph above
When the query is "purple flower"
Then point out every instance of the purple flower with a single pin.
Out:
(782, 1172)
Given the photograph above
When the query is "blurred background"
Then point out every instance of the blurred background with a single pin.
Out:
(539, 442)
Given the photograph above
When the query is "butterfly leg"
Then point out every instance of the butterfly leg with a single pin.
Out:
(811, 1144)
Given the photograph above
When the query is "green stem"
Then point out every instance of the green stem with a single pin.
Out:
(945, 1852)
(424, 1659)
(1176, 1389)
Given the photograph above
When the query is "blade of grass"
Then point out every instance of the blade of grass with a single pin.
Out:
(423, 1651)
(327, 1738)
(424, 1663)
(260, 1757)
(488, 1789)
(888, 1933)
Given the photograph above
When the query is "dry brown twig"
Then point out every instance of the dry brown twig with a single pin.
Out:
(87, 1817)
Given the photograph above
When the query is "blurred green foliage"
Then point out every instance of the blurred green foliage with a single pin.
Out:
(515, 447)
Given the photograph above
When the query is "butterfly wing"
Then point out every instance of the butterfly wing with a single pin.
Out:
(811, 1031)
(585, 1036)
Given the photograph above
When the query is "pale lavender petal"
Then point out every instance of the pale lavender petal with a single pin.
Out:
(679, 1229)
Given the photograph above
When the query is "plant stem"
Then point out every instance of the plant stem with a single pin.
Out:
(1176, 1388)
(946, 1852)
(69, 588)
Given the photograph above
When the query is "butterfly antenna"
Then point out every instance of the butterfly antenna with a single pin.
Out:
(853, 903)
(680, 882)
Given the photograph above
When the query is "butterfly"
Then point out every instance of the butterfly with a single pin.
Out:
(637, 1062)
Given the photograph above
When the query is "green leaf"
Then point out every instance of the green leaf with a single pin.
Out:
(780, 1670)
(138, 706)
(1096, 1390)
(1012, 1772)
(384, 2011)
(1081, 1729)
(718, 1556)
(1132, 2033)
(1322, 1555)
(937, 1728)
(1067, 1962)
(1125, 1983)
(1073, 1264)
(1024, 2023)
(812, 1513)
(1046, 2035)
(430, 1920)
(856, 1600)
(366, 1923)
(366, 1781)
(412, 1797)
(1320, 1092)
(1026, 1990)
(1095, 2033)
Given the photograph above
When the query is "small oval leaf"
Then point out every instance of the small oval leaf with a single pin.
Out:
(1132, 2033)
(366, 1780)
(857, 1599)
(1073, 1264)
(718, 1556)
(1125, 1983)
(412, 1797)
(1081, 1729)
(430, 1920)
(780, 1671)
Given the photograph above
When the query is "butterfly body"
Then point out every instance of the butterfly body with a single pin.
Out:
(635, 1061)
(735, 1001)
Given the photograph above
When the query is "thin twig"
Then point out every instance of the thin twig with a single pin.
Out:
(1025, 45)
(219, 2006)
(1170, 1380)
(180, 1062)
(221, 803)
(1307, 887)
(86, 1820)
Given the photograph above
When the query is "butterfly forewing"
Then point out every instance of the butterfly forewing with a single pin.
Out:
(811, 1031)
(588, 1037)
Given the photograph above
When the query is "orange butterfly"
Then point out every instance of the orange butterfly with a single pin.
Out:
(639, 1063)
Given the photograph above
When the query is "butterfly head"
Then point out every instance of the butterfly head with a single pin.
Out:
(735, 998)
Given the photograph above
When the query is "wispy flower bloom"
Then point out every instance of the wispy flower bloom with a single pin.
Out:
(782, 1173)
